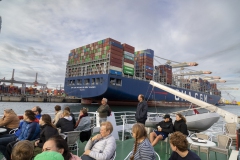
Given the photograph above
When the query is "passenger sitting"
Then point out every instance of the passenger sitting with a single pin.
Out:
(179, 146)
(37, 111)
(29, 131)
(163, 129)
(180, 124)
(47, 131)
(58, 144)
(65, 123)
(71, 114)
(101, 146)
(58, 114)
(83, 124)
(23, 150)
(9, 120)
(142, 148)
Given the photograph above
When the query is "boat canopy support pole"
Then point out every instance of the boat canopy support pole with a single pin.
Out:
(229, 117)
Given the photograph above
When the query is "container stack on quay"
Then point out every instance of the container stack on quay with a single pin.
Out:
(144, 64)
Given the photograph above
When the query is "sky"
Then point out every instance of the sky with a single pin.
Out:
(37, 36)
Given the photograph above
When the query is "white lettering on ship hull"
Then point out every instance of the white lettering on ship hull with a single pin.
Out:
(202, 97)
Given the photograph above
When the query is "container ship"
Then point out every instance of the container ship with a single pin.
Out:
(114, 70)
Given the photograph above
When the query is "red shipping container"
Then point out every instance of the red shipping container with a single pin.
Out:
(116, 49)
(116, 61)
(107, 40)
(115, 56)
(116, 53)
(128, 50)
(149, 77)
(128, 61)
(128, 46)
(115, 64)
(147, 64)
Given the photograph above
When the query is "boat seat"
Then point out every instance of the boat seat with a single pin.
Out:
(224, 144)
(230, 130)
(72, 140)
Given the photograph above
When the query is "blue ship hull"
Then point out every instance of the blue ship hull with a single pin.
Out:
(119, 88)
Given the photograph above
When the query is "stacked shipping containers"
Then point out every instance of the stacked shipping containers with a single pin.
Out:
(128, 59)
(104, 53)
(165, 73)
(144, 64)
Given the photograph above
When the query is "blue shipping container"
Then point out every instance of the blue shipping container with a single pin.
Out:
(116, 45)
(115, 72)
(148, 67)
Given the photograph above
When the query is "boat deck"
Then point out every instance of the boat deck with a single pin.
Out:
(124, 147)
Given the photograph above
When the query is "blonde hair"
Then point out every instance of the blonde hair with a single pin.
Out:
(140, 132)
(23, 150)
(9, 111)
(66, 113)
(108, 126)
(84, 110)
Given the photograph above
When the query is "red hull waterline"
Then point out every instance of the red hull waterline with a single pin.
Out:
(150, 103)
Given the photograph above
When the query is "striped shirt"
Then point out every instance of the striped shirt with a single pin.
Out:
(145, 151)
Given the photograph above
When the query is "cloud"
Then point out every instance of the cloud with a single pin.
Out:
(37, 36)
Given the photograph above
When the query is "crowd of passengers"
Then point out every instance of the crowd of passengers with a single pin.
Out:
(37, 136)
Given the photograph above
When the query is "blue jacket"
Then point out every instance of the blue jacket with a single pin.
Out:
(29, 131)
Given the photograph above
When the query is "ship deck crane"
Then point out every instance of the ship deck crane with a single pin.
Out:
(229, 117)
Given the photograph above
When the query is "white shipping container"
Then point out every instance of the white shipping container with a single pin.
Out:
(115, 68)
(128, 53)
(128, 64)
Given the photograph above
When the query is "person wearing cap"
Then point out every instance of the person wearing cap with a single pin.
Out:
(9, 120)
(163, 129)
(142, 109)
(49, 155)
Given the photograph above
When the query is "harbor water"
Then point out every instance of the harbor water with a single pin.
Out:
(20, 107)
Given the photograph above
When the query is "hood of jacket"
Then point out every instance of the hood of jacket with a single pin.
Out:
(69, 118)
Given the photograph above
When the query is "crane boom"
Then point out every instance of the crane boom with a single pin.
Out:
(228, 88)
(193, 73)
(229, 117)
(185, 64)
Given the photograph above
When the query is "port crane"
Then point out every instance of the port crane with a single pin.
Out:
(35, 83)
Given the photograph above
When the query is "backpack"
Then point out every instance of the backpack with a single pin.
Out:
(109, 112)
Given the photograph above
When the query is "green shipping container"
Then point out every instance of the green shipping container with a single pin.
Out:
(96, 57)
(128, 72)
(128, 57)
(128, 68)
(104, 56)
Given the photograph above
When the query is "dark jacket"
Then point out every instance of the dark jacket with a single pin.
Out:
(181, 127)
(73, 119)
(142, 109)
(29, 131)
(167, 127)
(66, 125)
(46, 133)
(103, 111)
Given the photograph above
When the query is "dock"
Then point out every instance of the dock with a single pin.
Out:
(38, 98)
